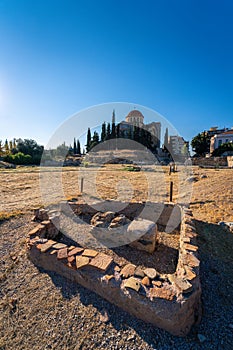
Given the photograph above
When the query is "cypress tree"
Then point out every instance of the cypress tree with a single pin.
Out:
(103, 132)
(108, 133)
(166, 139)
(75, 147)
(78, 147)
(88, 140)
(6, 147)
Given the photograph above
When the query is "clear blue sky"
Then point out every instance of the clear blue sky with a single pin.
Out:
(58, 57)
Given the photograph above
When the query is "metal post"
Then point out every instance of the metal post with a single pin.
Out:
(82, 181)
(171, 190)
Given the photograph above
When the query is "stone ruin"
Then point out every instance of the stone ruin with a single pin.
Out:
(155, 283)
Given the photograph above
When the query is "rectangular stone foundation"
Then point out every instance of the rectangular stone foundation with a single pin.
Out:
(171, 301)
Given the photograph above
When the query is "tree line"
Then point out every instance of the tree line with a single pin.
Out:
(18, 151)
(111, 131)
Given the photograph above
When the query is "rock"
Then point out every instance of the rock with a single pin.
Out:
(191, 260)
(81, 261)
(162, 293)
(71, 259)
(189, 274)
(59, 246)
(132, 283)
(117, 268)
(191, 247)
(75, 250)
(157, 283)
(203, 176)
(139, 272)
(142, 234)
(128, 270)
(102, 219)
(146, 281)
(150, 272)
(62, 253)
(192, 179)
(118, 221)
(90, 252)
(201, 338)
(104, 316)
(46, 246)
(181, 283)
(101, 262)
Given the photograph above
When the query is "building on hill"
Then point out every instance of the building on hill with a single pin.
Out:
(136, 118)
(218, 139)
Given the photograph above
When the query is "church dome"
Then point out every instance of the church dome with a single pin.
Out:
(135, 113)
(135, 117)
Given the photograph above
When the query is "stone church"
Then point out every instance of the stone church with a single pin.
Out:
(136, 118)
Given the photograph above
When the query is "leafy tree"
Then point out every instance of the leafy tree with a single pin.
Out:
(78, 147)
(224, 147)
(103, 132)
(31, 147)
(88, 140)
(201, 144)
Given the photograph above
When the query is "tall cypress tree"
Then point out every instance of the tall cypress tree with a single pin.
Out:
(88, 140)
(118, 130)
(113, 133)
(75, 147)
(166, 139)
(103, 132)
(108, 133)
(78, 147)
(6, 147)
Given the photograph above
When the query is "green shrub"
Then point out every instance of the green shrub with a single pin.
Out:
(18, 158)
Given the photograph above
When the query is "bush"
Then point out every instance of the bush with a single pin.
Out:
(18, 158)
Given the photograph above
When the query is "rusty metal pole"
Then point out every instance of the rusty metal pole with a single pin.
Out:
(82, 181)
(171, 190)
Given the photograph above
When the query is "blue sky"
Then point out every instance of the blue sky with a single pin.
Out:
(59, 57)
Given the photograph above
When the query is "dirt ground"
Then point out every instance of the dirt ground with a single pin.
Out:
(43, 311)
(211, 200)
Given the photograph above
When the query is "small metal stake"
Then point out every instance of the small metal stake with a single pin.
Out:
(82, 181)
(171, 190)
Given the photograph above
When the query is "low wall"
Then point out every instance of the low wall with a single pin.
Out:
(169, 301)
(211, 162)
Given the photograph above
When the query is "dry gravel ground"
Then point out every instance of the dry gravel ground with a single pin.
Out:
(41, 310)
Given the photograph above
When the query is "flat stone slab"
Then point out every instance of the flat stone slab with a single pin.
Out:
(128, 270)
(82, 261)
(132, 283)
(90, 252)
(101, 262)
(62, 253)
(75, 251)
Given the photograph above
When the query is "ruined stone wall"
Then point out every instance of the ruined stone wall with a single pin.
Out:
(212, 161)
(169, 301)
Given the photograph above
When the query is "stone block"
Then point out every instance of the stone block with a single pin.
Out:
(143, 234)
